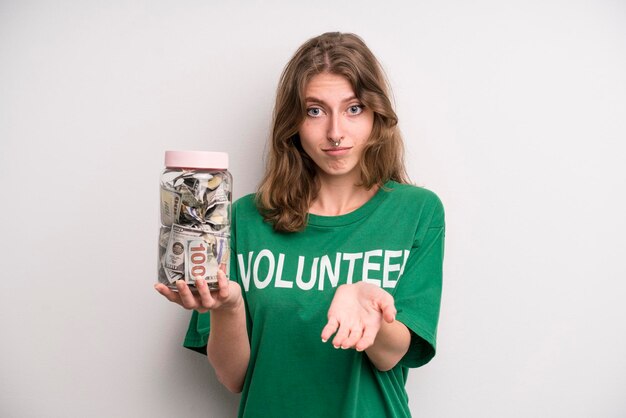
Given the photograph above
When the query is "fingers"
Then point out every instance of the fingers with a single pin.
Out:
(355, 335)
(342, 335)
(348, 333)
(329, 329)
(168, 293)
(222, 282)
(186, 297)
(206, 299)
(201, 302)
(387, 308)
(201, 298)
(367, 340)
(183, 297)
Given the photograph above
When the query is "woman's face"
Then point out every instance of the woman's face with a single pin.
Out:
(334, 114)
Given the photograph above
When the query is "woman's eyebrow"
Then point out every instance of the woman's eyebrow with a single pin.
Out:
(312, 99)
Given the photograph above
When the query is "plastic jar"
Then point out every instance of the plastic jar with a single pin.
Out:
(194, 238)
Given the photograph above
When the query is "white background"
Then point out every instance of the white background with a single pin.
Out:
(513, 112)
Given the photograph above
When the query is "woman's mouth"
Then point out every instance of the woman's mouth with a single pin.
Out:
(336, 150)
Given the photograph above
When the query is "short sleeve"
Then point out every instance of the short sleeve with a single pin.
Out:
(418, 292)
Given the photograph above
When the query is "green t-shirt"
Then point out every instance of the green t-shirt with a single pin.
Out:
(395, 240)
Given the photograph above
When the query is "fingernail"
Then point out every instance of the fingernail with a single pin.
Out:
(336, 346)
(323, 340)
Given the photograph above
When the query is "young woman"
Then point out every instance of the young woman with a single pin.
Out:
(336, 261)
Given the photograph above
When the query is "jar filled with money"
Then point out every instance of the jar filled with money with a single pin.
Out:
(194, 240)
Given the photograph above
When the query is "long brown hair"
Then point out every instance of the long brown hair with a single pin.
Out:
(290, 184)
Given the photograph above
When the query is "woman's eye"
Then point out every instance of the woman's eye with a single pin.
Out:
(355, 109)
(314, 111)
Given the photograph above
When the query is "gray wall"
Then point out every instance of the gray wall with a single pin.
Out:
(513, 112)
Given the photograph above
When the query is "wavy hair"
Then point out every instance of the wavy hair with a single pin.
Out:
(290, 185)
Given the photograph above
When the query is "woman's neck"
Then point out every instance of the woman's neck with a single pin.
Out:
(338, 197)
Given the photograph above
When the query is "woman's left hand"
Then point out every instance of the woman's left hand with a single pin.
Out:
(356, 314)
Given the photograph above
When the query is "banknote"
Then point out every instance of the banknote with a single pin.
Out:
(176, 247)
(170, 206)
(172, 276)
(219, 215)
(200, 263)
(217, 196)
(205, 256)
(164, 237)
(168, 277)
(221, 250)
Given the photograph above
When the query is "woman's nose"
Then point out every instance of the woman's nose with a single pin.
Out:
(335, 131)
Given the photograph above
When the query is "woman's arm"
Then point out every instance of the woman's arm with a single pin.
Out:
(228, 348)
(390, 345)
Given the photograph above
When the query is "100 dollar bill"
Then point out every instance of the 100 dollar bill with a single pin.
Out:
(196, 254)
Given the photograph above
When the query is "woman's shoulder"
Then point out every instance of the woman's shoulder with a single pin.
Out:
(246, 203)
(412, 192)
(414, 197)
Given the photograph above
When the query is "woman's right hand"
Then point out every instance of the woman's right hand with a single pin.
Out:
(228, 296)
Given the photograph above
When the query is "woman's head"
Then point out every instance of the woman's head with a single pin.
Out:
(290, 183)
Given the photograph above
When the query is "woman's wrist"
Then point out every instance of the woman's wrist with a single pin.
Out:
(391, 344)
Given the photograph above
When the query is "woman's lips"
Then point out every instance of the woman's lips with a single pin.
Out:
(337, 150)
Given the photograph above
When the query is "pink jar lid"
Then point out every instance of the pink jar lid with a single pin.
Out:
(196, 159)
